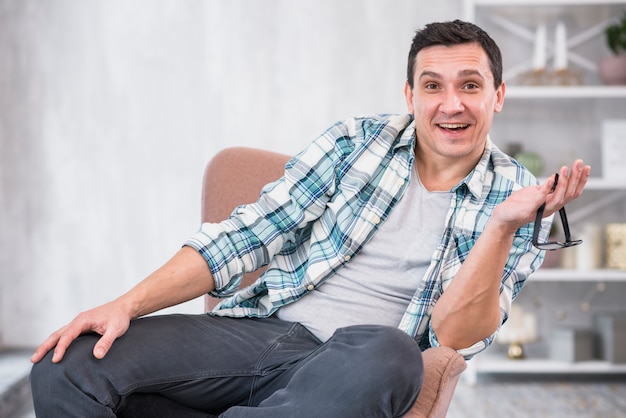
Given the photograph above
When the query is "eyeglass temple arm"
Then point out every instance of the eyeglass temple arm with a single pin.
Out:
(565, 224)
(539, 216)
(538, 219)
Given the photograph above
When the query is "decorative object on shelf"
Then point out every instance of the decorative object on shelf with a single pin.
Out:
(612, 68)
(571, 345)
(531, 160)
(589, 256)
(560, 48)
(519, 329)
(540, 49)
(616, 246)
(560, 75)
(614, 149)
(612, 337)
(537, 75)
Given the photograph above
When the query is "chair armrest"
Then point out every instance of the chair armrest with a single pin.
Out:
(442, 368)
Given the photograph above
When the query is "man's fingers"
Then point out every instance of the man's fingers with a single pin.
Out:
(582, 172)
(576, 180)
(103, 345)
(43, 349)
(66, 338)
(570, 186)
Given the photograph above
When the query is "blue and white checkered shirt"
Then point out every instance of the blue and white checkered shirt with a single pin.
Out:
(330, 202)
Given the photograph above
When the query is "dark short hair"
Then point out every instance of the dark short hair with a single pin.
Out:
(455, 33)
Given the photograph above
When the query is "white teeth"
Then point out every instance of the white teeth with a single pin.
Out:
(453, 125)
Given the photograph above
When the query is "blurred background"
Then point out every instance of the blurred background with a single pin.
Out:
(109, 111)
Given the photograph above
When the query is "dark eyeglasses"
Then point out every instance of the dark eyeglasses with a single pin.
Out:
(553, 245)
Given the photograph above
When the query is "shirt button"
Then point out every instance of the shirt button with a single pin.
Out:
(347, 258)
(376, 220)
(310, 287)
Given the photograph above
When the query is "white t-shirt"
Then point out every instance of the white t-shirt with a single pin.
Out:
(376, 286)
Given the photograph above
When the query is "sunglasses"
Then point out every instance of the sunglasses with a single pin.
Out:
(553, 245)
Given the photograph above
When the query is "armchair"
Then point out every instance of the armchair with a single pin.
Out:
(235, 176)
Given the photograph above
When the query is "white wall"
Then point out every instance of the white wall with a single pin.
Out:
(109, 110)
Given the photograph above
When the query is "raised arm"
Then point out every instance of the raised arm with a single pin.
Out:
(469, 310)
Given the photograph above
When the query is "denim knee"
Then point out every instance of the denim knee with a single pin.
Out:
(73, 384)
(389, 353)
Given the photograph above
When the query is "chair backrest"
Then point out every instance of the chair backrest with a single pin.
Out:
(235, 176)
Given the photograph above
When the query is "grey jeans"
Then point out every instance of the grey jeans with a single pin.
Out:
(237, 368)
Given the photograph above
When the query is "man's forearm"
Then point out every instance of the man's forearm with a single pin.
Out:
(184, 277)
(469, 309)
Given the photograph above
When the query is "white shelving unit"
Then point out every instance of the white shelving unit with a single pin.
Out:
(490, 364)
(589, 95)
(470, 6)
(567, 275)
(574, 92)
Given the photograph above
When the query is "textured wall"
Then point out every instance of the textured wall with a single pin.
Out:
(110, 109)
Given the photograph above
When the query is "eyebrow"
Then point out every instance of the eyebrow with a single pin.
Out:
(462, 73)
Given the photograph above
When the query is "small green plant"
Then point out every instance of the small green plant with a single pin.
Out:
(616, 36)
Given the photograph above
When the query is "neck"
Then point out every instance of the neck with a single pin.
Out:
(442, 174)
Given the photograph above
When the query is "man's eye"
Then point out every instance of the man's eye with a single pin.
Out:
(430, 86)
(471, 86)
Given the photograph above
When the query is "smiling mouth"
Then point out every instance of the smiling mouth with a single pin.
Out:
(453, 126)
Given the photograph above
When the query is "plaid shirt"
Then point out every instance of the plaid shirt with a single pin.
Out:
(330, 202)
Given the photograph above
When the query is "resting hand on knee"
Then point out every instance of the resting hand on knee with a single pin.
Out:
(108, 320)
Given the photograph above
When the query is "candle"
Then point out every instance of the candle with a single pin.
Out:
(530, 328)
(539, 53)
(560, 48)
(589, 256)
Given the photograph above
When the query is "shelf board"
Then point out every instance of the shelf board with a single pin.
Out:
(494, 364)
(598, 183)
(595, 183)
(567, 275)
(544, 2)
(571, 92)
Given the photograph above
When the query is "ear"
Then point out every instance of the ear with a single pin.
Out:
(500, 97)
(408, 95)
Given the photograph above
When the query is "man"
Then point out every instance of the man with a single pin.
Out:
(387, 235)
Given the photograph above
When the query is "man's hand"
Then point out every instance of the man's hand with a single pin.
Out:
(184, 277)
(109, 320)
(521, 207)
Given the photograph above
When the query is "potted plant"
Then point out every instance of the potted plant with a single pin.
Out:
(613, 67)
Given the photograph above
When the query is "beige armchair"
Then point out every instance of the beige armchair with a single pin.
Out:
(235, 176)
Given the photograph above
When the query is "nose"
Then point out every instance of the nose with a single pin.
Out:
(451, 102)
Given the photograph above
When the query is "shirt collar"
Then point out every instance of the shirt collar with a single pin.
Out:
(407, 137)
(475, 180)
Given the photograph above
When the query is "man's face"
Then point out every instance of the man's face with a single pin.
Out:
(453, 100)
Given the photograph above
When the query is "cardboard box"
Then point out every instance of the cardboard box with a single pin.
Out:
(571, 345)
(612, 337)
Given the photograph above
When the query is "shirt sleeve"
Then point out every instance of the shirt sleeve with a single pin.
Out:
(523, 260)
(255, 232)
